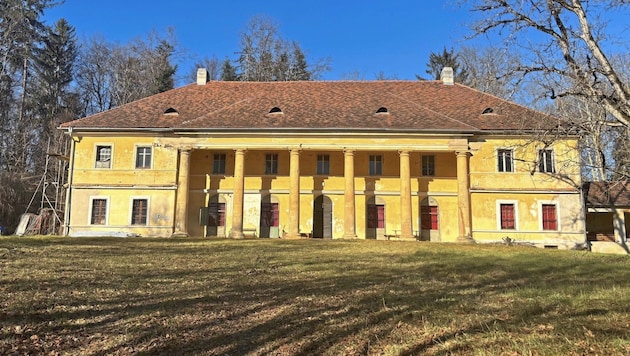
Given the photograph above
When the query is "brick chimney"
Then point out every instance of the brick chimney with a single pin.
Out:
(447, 76)
(202, 76)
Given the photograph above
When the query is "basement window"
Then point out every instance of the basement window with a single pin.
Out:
(275, 110)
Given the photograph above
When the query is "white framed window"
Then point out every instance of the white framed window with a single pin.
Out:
(144, 155)
(103, 156)
(505, 160)
(99, 210)
(549, 215)
(507, 215)
(546, 162)
(139, 211)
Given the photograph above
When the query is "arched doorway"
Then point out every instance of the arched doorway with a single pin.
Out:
(429, 220)
(215, 225)
(269, 217)
(322, 217)
(375, 218)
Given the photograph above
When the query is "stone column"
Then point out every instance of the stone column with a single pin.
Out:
(181, 202)
(294, 196)
(238, 196)
(349, 226)
(406, 224)
(463, 196)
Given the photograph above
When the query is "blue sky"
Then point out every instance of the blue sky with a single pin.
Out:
(394, 37)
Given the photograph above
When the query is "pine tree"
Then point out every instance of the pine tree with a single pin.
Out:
(300, 67)
(54, 67)
(445, 59)
(165, 79)
(228, 72)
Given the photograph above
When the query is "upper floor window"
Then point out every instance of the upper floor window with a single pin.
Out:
(549, 217)
(98, 213)
(323, 164)
(376, 165)
(143, 157)
(139, 211)
(103, 156)
(505, 160)
(218, 164)
(428, 165)
(545, 161)
(271, 163)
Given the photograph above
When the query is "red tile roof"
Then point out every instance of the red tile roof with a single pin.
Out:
(411, 105)
(607, 194)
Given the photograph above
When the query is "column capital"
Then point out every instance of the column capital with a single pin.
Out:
(295, 151)
(404, 152)
(240, 150)
(348, 151)
(460, 153)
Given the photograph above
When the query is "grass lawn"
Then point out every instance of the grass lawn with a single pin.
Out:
(222, 297)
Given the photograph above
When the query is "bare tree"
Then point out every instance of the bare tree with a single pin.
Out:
(212, 65)
(109, 74)
(564, 43)
(265, 56)
(490, 70)
(566, 50)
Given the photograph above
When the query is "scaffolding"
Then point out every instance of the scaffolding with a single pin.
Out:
(52, 189)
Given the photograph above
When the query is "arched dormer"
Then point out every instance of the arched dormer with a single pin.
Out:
(171, 111)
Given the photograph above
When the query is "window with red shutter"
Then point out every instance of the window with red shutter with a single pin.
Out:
(549, 217)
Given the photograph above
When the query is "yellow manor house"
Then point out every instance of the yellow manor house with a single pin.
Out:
(397, 160)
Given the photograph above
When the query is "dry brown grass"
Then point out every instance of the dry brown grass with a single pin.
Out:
(220, 297)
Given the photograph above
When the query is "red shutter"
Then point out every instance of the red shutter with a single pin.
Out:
(507, 217)
(550, 221)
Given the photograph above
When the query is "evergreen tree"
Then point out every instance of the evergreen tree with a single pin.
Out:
(228, 72)
(445, 59)
(165, 79)
(54, 68)
(300, 67)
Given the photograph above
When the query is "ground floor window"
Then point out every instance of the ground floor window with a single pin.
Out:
(139, 209)
(269, 215)
(98, 215)
(429, 218)
(549, 217)
(216, 214)
(508, 221)
(376, 216)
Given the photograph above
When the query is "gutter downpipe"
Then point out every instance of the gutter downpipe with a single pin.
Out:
(66, 217)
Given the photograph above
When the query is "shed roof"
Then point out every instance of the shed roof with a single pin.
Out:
(607, 194)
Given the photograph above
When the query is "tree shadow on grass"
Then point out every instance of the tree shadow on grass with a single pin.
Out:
(301, 298)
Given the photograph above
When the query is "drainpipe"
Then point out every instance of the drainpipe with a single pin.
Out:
(584, 209)
(66, 215)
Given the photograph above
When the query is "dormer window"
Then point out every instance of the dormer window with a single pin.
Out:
(171, 111)
(487, 111)
(382, 110)
(275, 110)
